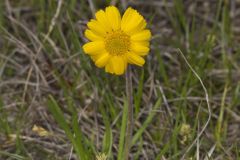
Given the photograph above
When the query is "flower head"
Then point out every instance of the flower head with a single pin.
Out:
(101, 156)
(116, 41)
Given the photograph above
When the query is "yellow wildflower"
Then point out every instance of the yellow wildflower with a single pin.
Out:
(185, 133)
(101, 156)
(116, 41)
(40, 131)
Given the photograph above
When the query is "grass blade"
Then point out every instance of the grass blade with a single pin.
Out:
(147, 122)
(59, 117)
(123, 131)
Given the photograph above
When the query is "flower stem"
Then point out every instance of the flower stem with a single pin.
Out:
(130, 124)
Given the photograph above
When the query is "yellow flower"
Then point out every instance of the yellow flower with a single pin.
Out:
(40, 131)
(101, 156)
(116, 41)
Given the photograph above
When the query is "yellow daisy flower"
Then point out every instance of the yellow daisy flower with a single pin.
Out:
(116, 41)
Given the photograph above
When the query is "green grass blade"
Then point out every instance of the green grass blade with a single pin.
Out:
(108, 137)
(139, 149)
(13, 156)
(59, 117)
(108, 142)
(147, 122)
(78, 138)
(3, 119)
(123, 131)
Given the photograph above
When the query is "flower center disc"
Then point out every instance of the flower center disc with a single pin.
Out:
(117, 43)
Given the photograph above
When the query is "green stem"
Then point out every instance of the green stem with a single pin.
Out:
(130, 124)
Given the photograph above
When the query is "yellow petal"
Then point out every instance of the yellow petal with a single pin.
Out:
(102, 18)
(125, 18)
(139, 48)
(95, 57)
(125, 62)
(137, 28)
(93, 47)
(109, 67)
(144, 35)
(91, 36)
(132, 22)
(114, 17)
(135, 59)
(102, 60)
(142, 43)
(98, 55)
(118, 65)
(97, 28)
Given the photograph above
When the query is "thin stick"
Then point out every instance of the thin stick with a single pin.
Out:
(130, 113)
(208, 105)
